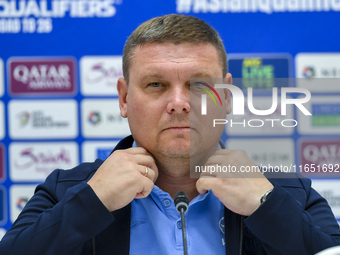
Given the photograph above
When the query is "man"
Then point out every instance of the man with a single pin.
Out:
(125, 204)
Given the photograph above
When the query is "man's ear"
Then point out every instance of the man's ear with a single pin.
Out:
(228, 79)
(122, 88)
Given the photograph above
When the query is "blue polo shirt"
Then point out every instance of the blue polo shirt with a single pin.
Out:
(156, 225)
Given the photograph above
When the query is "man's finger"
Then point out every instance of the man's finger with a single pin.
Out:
(148, 172)
(205, 184)
(146, 188)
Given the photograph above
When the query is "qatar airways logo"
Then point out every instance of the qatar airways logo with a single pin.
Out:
(49, 76)
(239, 103)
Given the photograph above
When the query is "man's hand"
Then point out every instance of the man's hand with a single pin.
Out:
(239, 192)
(121, 178)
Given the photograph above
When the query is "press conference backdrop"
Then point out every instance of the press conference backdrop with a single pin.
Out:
(60, 60)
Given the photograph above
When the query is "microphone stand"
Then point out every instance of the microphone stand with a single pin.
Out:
(184, 232)
(182, 203)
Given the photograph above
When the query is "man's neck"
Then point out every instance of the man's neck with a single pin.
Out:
(174, 177)
(174, 184)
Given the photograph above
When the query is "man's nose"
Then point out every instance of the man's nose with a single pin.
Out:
(179, 100)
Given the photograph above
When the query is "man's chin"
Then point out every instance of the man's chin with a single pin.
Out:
(176, 155)
(178, 145)
(180, 149)
(174, 148)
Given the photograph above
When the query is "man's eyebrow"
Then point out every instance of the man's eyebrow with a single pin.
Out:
(160, 76)
(152, 75)
(201, 75)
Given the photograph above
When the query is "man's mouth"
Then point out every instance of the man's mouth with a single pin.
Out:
(179, 128)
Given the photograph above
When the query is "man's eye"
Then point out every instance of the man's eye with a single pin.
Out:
(197, 84)
(155, 84)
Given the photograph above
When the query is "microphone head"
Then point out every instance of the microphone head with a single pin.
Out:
(181, 201)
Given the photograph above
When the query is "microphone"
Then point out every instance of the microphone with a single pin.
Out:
(182, 204)
(181, 201)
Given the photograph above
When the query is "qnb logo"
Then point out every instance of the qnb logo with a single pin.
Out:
(238, 102)
(204, 97)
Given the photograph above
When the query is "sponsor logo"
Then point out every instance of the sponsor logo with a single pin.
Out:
(318, 71)
(2, 162)
(19, 196)
(2, 85)
(94, 118)
(222, 225)
(43, 119)
(329, 189)
(330, 72)
(308, 72)
(38, 119)
(23, 118)
(114, 118)
(325, 117)
(99, 75)
(245, 6)
(3, 207)
(22, 201)
(35, 161)
(260, 71)
(2, 120)
(254, 68)
(33, 16)
(91, 150)
(111, 124)
(222, 228)
(42, 76)
(319, 152)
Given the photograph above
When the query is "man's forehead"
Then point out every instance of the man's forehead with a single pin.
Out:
(162, 76)
(175, 53)
(183, 48)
